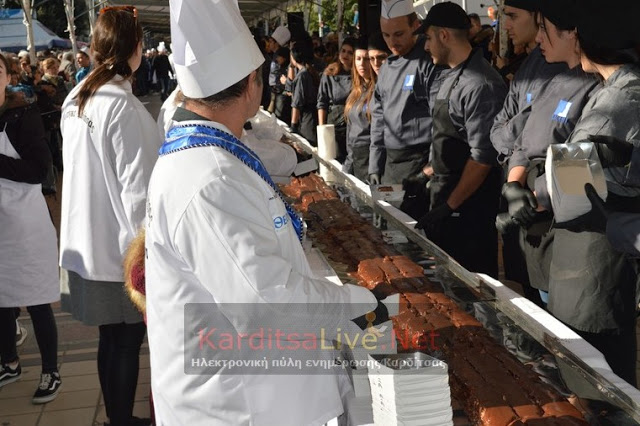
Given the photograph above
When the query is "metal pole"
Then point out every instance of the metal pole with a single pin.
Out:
(92, 15)
(26, 19)
(68, 10)
(319, 9)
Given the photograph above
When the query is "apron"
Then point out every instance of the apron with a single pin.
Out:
(28, 245)
(308, 123)
(360, 158)
(402, 163)
(469, 236)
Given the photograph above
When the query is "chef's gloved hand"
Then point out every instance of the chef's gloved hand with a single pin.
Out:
(611, 151)
(522, 203)
(415, 184)
(505, 223)
(432, 221)
(295, 128)
(593, 221)
(378, 316)
(374, 179)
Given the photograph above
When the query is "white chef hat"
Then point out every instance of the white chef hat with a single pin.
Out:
(282, 35)
(396, 8)
(208, 62)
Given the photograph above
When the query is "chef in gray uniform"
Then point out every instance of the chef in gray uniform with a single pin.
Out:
(553, 116)
(465, 187)
(400, 116)
(592, 287)
(520, 23)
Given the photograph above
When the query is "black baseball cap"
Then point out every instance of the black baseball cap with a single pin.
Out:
(446, 15)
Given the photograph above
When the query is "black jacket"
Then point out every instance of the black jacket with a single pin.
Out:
(23, 125)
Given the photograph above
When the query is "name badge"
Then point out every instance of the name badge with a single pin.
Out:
(408, 82)
(562, 111)
(529, 98)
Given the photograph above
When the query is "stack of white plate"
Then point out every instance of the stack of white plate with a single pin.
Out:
(410, 389)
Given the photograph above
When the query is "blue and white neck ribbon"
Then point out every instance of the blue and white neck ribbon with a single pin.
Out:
(187, 136)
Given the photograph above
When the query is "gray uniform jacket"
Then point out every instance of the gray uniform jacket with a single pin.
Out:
(474, 103)
(552, 118)
(358, 129)
(510, 122)
(400, 114)
(614, 111)
(304, 93)
(333, 90)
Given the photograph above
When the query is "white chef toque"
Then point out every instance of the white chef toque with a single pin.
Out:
(282, 35)
(207, 62)
(396, 8)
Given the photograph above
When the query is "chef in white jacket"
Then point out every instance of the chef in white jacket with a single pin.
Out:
(219, 233)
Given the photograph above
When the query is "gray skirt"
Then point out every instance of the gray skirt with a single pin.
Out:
(96, 302)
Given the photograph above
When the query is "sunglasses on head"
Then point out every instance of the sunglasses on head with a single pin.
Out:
(130, 9)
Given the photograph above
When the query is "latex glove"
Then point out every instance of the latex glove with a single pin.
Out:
(432, 221)
(522, 203)
(374, 179)
(295, 128)
(380, 315)
(612, 152)
(415, 184)
(594, 221)
(505, 223)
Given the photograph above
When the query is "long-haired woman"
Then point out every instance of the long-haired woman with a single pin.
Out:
(111, 144)
(305, 91)
(333, 92)
(28, 246)
(358, 114)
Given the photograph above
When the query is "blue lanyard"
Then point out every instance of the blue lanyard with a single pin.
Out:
(192, 136)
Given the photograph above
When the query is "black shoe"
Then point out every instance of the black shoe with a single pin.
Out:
(9, 375)
(48, 388)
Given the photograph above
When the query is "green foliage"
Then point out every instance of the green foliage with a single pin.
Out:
(329, 13)
(51, 14)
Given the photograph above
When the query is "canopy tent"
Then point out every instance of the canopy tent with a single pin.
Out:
(13, 33)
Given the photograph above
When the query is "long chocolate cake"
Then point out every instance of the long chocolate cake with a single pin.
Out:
(492, 385)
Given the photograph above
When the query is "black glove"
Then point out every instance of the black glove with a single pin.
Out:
(374, 179)
(611, 151)
(381, 315)
(432, 221)
(505, 223)
(415, 184)
(594, 221)
(295, 128)
(522, 203)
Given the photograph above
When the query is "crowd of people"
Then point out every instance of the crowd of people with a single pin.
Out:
(430, 105)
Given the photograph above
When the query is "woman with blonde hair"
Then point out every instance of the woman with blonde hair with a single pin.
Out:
(111, 145)
(357, 114)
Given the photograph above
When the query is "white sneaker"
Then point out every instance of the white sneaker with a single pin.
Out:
(21, 333)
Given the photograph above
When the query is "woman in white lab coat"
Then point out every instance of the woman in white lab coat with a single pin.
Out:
(110, 148)
(28, 246)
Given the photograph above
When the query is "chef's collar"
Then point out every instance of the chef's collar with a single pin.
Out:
(183, 114)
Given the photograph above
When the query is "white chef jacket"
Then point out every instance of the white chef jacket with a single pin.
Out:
(108, 156)
(211, 238)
